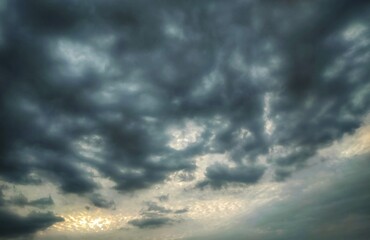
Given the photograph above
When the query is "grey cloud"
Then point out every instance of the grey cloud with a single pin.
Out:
(185, 176)
(153, 215)
(98, 201)
(314, 107)
(163, 198)
(98, 84)
(21, 200)
(154, 222)
(12, 225)
(154, 207)
(2, 200)
(219, 174)
(42, 202)
(142, 69)
(180, 211)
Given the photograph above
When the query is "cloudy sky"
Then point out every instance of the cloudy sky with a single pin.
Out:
(185, 119)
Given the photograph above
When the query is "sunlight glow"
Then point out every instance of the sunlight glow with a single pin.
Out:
(91, 222)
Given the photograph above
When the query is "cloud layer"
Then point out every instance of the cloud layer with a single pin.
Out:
(335, 207)
(93, 90)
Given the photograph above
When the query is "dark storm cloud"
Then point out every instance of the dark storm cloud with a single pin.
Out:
(219, 174)
(97, 84)
(320, 100)
(153, 222)
(12, 225)
(248, 174)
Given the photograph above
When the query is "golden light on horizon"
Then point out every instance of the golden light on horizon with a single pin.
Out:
(88, 222)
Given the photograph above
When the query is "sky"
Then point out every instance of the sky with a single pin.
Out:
(185, 119)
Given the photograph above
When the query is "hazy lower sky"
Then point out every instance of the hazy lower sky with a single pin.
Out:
(184, 119)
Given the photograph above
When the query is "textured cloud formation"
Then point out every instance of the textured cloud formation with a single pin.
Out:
(92, 89)
(98, 84)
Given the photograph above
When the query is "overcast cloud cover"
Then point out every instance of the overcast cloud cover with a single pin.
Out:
(127, 95)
